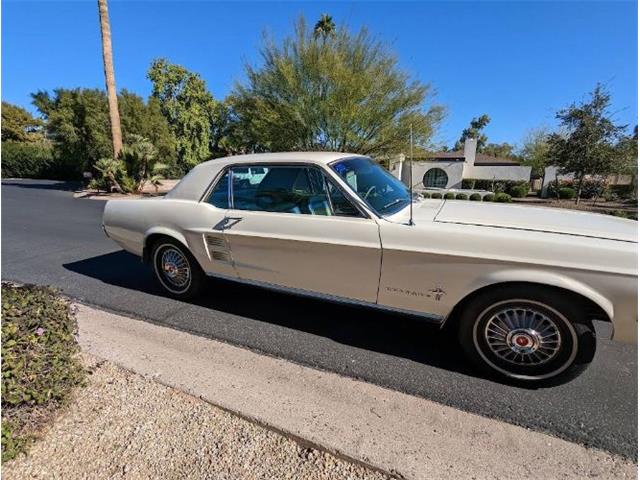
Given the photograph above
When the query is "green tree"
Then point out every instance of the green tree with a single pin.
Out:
(589, 145)
(535, 151)
(188, 107)
(18, 125)
(140, 119)
(474, 130)
(627, 158)
(324, 27)
(78, 122)
(345, 95)
(503, 150)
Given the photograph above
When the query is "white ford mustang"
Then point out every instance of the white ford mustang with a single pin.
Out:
(521, 284)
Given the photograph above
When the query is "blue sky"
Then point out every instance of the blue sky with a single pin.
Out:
(517, 61)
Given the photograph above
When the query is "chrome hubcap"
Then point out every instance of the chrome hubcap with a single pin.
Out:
(522, 335)
(175, 267)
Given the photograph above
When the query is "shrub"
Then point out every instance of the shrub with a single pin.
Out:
(436, 195)
(468, 183)
(426, 195)
(503, 198)
(462, 196)
(40, 365)
(135, 166)
(592, 188)
(617, 192)
(475, 197)
(518, 189)
(489, 197)
(27, 160)
(449, 195)
(566, 193)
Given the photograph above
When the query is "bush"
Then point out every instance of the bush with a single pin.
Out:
(468, 184)
(592, 188)
(518, 189)
(27, 160)
(566, 193)
(40, 365)
(426, 195)
(489, 197)
(449, 195)
(475, 197)
(462, 196)
(503, 198)
(436, 195)
(621, 192)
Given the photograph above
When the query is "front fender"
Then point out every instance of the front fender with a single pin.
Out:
(551, 279)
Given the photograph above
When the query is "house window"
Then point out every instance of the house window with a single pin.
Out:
(435, 178)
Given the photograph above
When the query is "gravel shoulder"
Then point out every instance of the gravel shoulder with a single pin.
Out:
(123, 425)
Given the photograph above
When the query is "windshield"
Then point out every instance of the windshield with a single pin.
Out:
(376, 186)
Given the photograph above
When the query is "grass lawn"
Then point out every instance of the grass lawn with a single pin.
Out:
(40, 364)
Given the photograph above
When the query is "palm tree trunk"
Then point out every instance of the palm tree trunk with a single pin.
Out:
(107, 55)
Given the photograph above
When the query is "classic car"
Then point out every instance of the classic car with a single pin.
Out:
(522, 285)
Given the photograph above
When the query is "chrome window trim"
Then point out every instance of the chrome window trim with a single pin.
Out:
(326, 172)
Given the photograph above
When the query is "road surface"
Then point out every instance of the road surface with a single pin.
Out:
(50, 238)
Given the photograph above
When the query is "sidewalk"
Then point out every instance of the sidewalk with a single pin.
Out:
(400, 434)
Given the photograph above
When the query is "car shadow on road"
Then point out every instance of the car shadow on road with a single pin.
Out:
(407, 336)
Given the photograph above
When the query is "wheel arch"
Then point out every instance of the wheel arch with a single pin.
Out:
(156, 233)
(597, 306)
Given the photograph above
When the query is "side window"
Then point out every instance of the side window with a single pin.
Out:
(220, 195)
(342, 206)
(281, 189)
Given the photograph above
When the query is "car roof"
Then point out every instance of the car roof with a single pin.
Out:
(316, 157)
(197, 181)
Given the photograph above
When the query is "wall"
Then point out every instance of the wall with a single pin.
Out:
(496, 172)
(453, 170)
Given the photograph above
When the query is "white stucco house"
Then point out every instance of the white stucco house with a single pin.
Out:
(448, 169)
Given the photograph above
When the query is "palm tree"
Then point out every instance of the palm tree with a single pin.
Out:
(107, 55)
(324, 27)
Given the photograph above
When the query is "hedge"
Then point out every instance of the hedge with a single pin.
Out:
(449, 195)
(436, 195)
(498, 186)
(489, 198)
(566, 193)
(27, 160)
(462, 196)
(475, 197)
(503, 198)
(591, 188)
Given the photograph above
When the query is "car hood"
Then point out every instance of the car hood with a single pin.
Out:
(540, 219)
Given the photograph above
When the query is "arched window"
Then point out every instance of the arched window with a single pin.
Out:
(435, 178)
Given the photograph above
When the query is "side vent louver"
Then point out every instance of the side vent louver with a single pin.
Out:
(218, 249)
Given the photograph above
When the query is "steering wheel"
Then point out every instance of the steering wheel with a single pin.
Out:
(369, 191)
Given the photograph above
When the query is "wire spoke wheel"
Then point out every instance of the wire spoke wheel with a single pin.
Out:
(173, 268)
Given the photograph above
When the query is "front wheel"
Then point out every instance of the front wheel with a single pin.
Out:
(177, 270)
(527, 335)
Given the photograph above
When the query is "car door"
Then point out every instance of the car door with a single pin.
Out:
(292, 226)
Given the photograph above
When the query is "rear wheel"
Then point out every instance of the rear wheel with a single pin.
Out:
(527, 335)
(177, 269)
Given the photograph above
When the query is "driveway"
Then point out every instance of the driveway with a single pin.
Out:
(48, 237)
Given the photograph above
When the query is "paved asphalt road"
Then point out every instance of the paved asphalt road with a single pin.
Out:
(48, 237)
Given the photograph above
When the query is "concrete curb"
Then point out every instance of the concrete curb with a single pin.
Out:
(399, 434)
